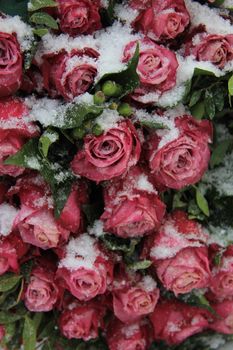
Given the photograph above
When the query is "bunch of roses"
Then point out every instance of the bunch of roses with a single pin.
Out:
(90, 286)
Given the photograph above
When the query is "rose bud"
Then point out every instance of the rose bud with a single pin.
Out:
(109, 155)
(41, 292)
(174, 321)
(15, 130)
(179, 240)
(180, 159)
(134, 336)
(163, 20)
(82, 321)
(214, 48)
(86, 271)
(156, 68)
(79, 16)
(222, 276)
(69, 74)
(223, 321)
(11, 62)
(132, 206)
(130, 303)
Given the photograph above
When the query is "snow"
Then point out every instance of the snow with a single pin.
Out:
(222, 235)
(148, 283)
(130, 330)
(7, 216)
(227, 4)
(108, 119)
(143, 184)
(125, 13)
(97, 229)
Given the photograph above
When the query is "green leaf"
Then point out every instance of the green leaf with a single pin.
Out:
(195, 97)
(118, 244)
(35, 5)
(140, 265)
(209, 104)
(9, 317)
(197, 300)
(29, 55)
(230, 86)
(177, 202)
(42, 18)
(40, 31)
(219, 94)
(76, 115)
(8, 281)
(202, 203)
(29, 334)
(219, 153)
(14, 7)
(198, 111)
(107, 14)
(128, 78)
(199, 71)
(153, 125)
(46, 140)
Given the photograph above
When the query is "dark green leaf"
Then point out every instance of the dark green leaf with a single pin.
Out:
(230, 86)
(92, 212)
(40, 31)
(218, 2)
(202, 203)
(153, 125)
(199, 71)
(198, 111)
(37, 319)
(29, 54)
(195, 97)
(43, 18)
(107, 14)
(14, 7)
(9, 317)
(209, 104)
(61, 192)
(26, 268)
(194, 211)
(197, 300)
(76, 115)
(177, 202)
(8, 281)
(29, 334)
(46, 140)
(117, 244)
(35, 5)
(219, 153)
(140, 265)
(219, 94)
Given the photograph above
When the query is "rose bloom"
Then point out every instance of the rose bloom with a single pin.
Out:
(41, 292)
(174, 321)
(223, 321)
(163, 20)
(140, 4)
(132, 205)
(82, 321)
(2, 332)
(79, 16)
(69, 74)
(108, 155)
(130, 303)
(222, 276)
(156, 68)
(8, 257)
(11, 63)
(179, 240)
(86, 271)
(184, 160)
(134, 336)
(214, 48)
(14, 132)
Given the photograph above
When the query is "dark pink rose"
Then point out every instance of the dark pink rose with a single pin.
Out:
(223, 321)
(134, 336)
(132, 302)
(140, 4)
(179, 240)
(79, 16)
(163, 20)
(132, 205)
(182, 161)
(2, 332)
(156, 68)
(86, 271)
(11, 63)
(82, 321)
(14, 132)
(108, 155)
(41, 292)
(174, 321)
(69, 74)
(214, 48)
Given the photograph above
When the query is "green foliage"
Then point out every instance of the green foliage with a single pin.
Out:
(14, 7)
(202, 202)
(43, 18)
(29, 334)
(219, 152)
(140, 265)
(152, 125)
(8, 281)
(35, 5)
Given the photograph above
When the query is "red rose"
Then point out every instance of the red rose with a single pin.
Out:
(217, 49)
(86, 271)
(42, 292)
(79, 16)
(11, 64)
(179, 240)
(134, 336)
(156, 68)
(174, 321)
(223, 322)
(82, 321)
(132, 206)
(14, 132)
(108, 155)
(69, 74)
(184, 160)
(2, 332)
(130, 303)
(164, 20)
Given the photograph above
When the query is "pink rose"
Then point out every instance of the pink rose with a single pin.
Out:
(179, 240)
(69, 74)
(132, 302)
(174, 321)
(108, 155)
(41, 292)
(134, 336)
(11, 63)
(223, 322)
(140, 4)
(82, 321)
(156, 68)
(2, 332)
(182, 161)
(132, 206)
(79, 16)
(86, 271)
(14, 132)
(164, 20)
(214, 48)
